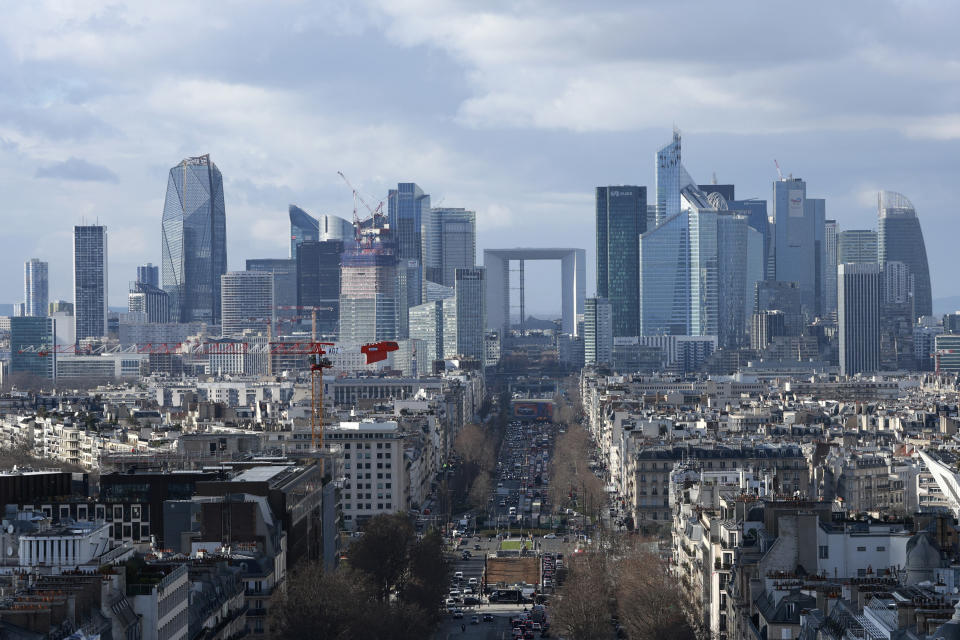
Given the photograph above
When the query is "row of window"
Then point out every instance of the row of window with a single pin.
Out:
(360, 456)
(366, 465)
(369, 506)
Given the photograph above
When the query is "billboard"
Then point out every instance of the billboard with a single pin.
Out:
(795, 206)
(533, 410)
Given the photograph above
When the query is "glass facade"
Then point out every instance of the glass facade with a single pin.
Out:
(858, 317)
(455, 231)
(668, 170)
(194, 240)
(665, 278)
(830, 268)
(35, 333)
(621, 220)
(597, 332)
(408, 212)
(36, 288)
(318, 283)
(732, 269)
(149, 274)
(90, 281)
(471, 312)
(426, 324)
(857, 246)
(369, 292)
(900, 239)
(798, 241)
(704, 284)
(247, 302)
(306, 228)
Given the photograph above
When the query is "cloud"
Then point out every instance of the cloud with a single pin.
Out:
(77, 169)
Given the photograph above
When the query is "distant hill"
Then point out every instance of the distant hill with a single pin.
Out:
(946, 305)
(536, 323)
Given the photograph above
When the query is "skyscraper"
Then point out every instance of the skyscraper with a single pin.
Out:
(858, 317)
(149, 274)
(284, 279)
(36, 287)
(455, 244)
(194, 246)
(247, 301)
(669, 172)
(426, 323)
(900, 239)
(621, 220)
(830, 268)
(597, 332)
(471, 312)
(798, 241)
(90, 281)
(28, 335)
(306, 228)
(858, 246)
(369, 290)
(318, 282)
(665, 278)
(408, 212)
(151, 301)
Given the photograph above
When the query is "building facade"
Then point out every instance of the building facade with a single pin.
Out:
(857, 246)
(247, 302)
(36, 287)
(90, 281)
(858, 317)
(29, 337)
(194, 242)
(621, 220)
(597, 332)
(306, 228)
(900, 239)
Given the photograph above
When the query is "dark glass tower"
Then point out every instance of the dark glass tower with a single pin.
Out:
(901, 240)
(621, 218)
(305, 228)
(408, 211)
(318, 282)
(194, 240)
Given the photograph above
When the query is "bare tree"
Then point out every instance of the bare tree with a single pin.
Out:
(584, 600)
(650, 603)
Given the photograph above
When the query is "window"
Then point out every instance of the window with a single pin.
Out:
(881, 548)
(861, 548)
(823, 552)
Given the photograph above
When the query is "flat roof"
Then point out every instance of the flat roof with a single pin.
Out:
(263, 473)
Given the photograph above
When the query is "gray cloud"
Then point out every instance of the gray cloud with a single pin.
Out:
(77, 169)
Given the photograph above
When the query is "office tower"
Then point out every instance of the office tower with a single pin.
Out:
(897, 317)
(621, 220)
(149, 300)
(368, 292)
(408, 212)
(19, 309)
(469, 290)
(756, 212)
(756, 270)
(60, 306)
(766, 326)
(410, 287)
(830, 268)
(798, 237)
(858, 317)
(426, 324)
(773, 295)
(90, 281)
(306, 228)
(36, 287)
(448, 311)
(597, 332)
(452, 244)
(951, 322)
(947, 353)
(284, 279)
(900, 239)
(318, 283)
(149, 274)
(734, 279)
(247, 302)
(669, 172)
(857, 246)
(704, 274)
(28, 337)
(665, 278)
(194, 246)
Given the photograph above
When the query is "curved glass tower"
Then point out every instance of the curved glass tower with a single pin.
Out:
(305, 228)
(194, 240)
(901, 240)
(668, 170)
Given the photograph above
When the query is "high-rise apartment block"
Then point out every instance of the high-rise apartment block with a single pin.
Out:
(597, 332)
(194, 243)
(247, 301)
(36, 287)
(90, 281)
(900, 239)
(620, 221)
(858, 317)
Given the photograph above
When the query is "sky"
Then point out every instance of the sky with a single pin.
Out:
(516, 110)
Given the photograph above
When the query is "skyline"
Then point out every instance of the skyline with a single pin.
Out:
(83, 136)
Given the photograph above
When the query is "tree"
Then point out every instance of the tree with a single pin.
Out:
(651, 605)
(382, 552)
(321, 604)
(583, 610)
(480, 490)
(429, 573)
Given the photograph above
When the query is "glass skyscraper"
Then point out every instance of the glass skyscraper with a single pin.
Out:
(798, 241)
(149, 274)
(369, 291)
(669, 172)
(900, 239)
(306, 228)
(857, 246)
(247, 302)
(665, 278)
(194, 246)
(621, 220)
(597, 332)
(90, 281)
(858, 317)
(830, 268)
(33, 334)
(36, 288)
(469, 293)
(318, 283)
(408, 212)
(452, 244)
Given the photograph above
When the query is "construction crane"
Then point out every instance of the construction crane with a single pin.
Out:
(317, 351)
(779, 173)
(378, 211)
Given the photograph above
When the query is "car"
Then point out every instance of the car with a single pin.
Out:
(472, 582)
(488, 617)
(458, 575)
(474, 619)
(458, 613)
(477, 547)
(550, 536)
